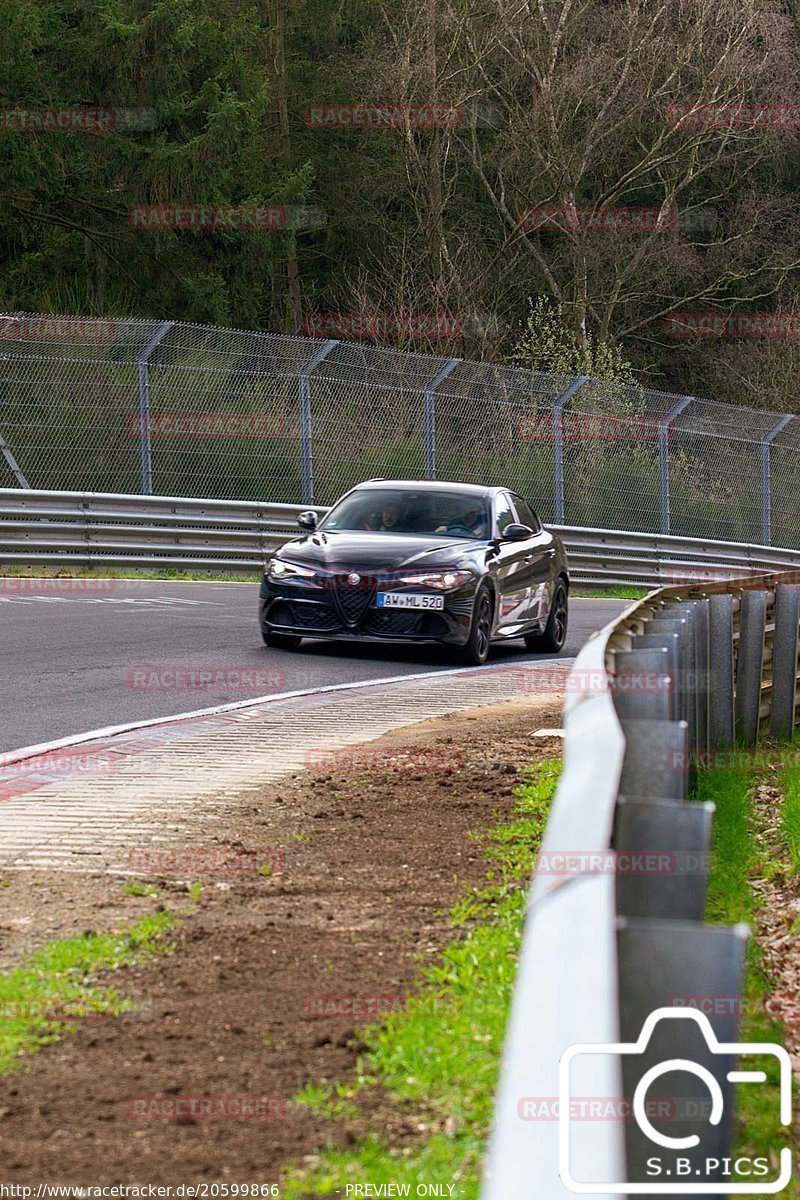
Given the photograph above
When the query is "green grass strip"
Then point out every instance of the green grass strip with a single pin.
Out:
(790, 822)
(437, 1060)
(736, 860)
(43, 999)
(614, 591)
(76, 571)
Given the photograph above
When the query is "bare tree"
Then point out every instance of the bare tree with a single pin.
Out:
(632, 104)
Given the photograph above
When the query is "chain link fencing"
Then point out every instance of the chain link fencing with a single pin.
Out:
(134, 406)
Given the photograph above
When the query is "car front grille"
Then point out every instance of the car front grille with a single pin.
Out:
(353, 600)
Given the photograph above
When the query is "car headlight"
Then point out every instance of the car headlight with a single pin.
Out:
(441, 581)
(279, 568)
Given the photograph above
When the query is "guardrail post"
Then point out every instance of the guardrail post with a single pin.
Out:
(558, 407)
(661, 963)
(429, 417)
(750, 665)
(766, 477)
(681, 835)
(784, 660)
(720, 707)
(664, 427)
(143, 398)
(306, 437)
(656, 765)
(696, 682)
(663, 624)
(642, 686)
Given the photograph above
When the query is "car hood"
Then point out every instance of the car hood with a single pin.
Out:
(377, 550)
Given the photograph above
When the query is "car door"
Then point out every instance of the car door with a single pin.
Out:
(538, 562)
(513, 571)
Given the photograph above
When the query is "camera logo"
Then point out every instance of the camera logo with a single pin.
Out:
(678, 1164)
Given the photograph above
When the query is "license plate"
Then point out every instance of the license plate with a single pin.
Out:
(409, 600)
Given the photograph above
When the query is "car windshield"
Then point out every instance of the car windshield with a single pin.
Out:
(424, 513)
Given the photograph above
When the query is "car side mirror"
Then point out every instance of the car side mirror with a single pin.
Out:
(308, 520)
(517, 533)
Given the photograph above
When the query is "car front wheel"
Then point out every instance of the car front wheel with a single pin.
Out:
(476, 649)
(555, 631)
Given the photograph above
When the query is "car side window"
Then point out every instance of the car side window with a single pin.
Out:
(526, 514)
(505, 512)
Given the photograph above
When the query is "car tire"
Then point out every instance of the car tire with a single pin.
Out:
(555, 631)
(475, 650)
(280, 641)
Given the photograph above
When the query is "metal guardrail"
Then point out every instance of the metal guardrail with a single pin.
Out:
(611, 938)
(95, 528)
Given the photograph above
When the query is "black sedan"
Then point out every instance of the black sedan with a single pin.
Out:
(452, 564)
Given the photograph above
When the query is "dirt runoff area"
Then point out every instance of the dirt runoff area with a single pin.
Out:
(272, 973)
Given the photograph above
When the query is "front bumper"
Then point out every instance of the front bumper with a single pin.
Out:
(336, 612)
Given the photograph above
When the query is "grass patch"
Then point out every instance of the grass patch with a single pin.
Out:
(437, 1059)
(736, 860)
(132, 888)
(614, 591)
(790, 823)
(41, 1000)
(102, 572)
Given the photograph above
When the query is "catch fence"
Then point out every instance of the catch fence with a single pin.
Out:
(171, 409)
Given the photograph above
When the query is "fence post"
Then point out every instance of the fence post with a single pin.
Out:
(306, 439)
(5, 449)
(429, 417)
(663, 456)
(14, 466)
(766, 477)
(559, 405)
(143, 397)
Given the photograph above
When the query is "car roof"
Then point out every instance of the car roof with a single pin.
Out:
(468, 489)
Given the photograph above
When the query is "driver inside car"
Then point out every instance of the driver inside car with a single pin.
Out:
(472, 519)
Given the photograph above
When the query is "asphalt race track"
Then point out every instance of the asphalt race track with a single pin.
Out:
(78, 655)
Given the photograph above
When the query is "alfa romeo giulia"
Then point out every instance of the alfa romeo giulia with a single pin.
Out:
(452, 564)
